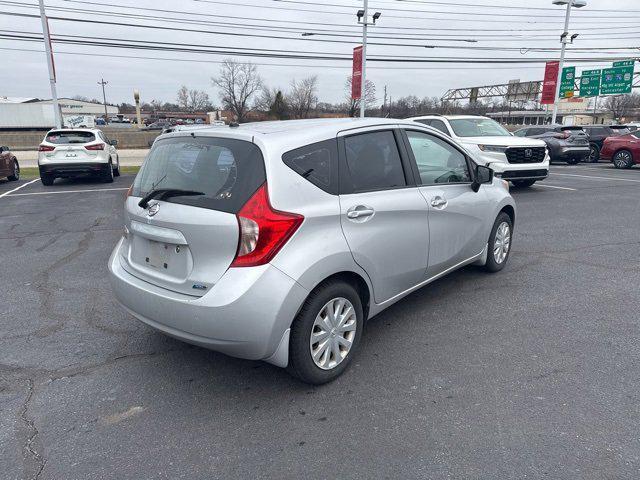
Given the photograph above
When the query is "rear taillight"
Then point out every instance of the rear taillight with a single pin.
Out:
(97, 146)
(46, 148)
(263, 230)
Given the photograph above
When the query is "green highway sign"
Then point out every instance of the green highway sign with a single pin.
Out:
(568, 82)
(590, 83)
(624, 63)
(617, 80)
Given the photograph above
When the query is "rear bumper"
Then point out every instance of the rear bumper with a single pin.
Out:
(245, 314)
(568, 153)
(73, 169)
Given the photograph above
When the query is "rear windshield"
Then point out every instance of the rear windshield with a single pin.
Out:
(620, 130)
(69, 137)
(226, 171)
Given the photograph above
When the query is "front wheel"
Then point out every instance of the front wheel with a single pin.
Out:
(16, 172)
(623, 159)
(326, 333)
(116, 171)
(523, 183)
(499, 243)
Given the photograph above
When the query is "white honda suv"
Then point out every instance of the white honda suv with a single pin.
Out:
(71, 152)
(522, 161)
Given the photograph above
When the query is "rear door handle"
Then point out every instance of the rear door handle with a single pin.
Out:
(438, 202)
(360, 211)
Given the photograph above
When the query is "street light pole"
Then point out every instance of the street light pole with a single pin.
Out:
(365, 23)
(564, 39)
(50, 65)
(104, 100)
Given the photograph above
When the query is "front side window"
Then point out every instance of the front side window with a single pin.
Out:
(438, 161)
(317, 163)
(374, 161)
(220, 173)
(69, 137)
(478, 127)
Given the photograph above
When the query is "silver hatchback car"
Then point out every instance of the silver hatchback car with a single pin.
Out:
(277, 241)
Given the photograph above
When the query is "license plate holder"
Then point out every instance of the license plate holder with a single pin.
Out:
(159, 255)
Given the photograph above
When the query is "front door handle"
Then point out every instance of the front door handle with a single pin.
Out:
(438, 202)
(360, 211)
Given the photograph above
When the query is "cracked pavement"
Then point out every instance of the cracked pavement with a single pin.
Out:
(528, 373)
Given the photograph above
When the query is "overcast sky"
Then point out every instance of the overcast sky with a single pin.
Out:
(24, 73)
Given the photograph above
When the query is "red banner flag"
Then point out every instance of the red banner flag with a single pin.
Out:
(356, 78)
(550, 83)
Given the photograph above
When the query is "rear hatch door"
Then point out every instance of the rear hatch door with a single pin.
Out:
(185, 241)
(70, 146)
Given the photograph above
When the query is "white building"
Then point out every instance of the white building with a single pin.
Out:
(70, 106)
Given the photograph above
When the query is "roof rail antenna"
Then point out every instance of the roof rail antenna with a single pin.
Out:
(234, 125)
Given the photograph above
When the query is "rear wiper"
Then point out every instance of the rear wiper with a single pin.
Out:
(162, 193)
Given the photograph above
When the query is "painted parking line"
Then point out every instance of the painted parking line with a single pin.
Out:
(554, 186)
(596, 177)
(18, 188)
(66, 191)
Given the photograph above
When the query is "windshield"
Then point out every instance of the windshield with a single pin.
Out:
(70, 137)
(227, 172)
(478, 127)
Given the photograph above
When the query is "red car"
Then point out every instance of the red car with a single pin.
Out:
(9, 165)
(623, 151)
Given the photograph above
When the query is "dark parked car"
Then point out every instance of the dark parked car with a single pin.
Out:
(9, 166)
(159, 125)
(622, 150)
(597, 135)
(565, 143)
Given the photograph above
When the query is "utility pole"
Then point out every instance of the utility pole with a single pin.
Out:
(104, 100)
(564, 39)
(50, 65)
(384, 102)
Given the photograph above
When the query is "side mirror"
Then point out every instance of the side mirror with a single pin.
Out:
(482, 175)
(114, 143)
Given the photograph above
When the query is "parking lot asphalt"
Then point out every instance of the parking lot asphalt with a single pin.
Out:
(533, 372)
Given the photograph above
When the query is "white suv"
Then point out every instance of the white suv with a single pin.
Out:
(71, 152)
(522, 161)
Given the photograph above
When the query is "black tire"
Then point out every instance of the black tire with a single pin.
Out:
(47, 180)
(573, 161)
(116, 171)
(493, 265)
(107, 177)
(623, 159)
(594, 153)
(16, 172)
(523, 183)
(301, 363)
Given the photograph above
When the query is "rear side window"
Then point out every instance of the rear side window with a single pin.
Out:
(317, 163)
(439, 125)
(226, 171)
(69, 137)
(373, 161)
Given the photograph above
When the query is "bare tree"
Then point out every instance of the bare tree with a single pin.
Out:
(183, 97)
(354, 104)
(192, 100)
(238, 84)
(303, 96)
(621, 105)
(266, 98)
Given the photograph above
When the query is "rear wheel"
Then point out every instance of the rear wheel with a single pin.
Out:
(116, 171)
(47, 180)
(326, 333)
(594, 153)
(623, 159)
(108, 175)
(499, 243)
(523, 183)
(16, 172)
